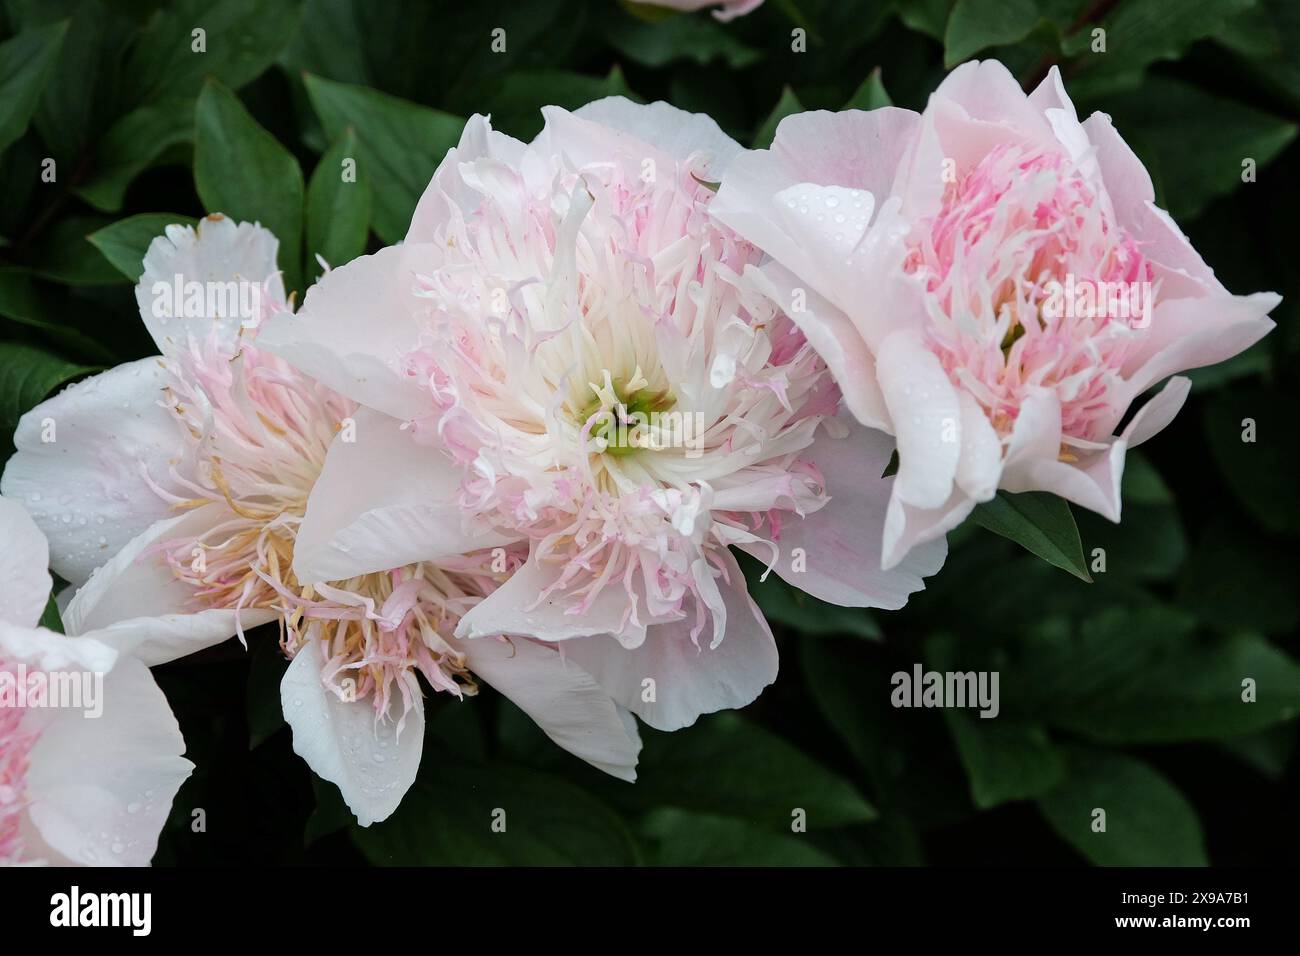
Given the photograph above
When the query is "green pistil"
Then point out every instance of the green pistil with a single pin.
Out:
(1013, 335)
(642, 403)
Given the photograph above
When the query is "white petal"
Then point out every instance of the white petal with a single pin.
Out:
(223, 257)
(841, 542)
(688, 680)
(562, 698)
(1193, 333)
(86, 489)
(382, 501)
(47, 650)
(665, 127)
(980, 465)
(344, 742)
(509, 610)
(24, 563)
(142, 609)
(101, 788)
(355, 325)
(1033, 460)
(447, 193)
(833, 335)
(926, 416)
(911, 532)
(1152, 417)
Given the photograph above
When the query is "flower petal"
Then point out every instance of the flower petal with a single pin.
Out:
(24, 561)
(382, 501)
(447, 189)
(510, 610)
(86, 488)
(1152, 417)
(663, 126)
(980, 465)
(102, 788)
(562, 698)
(835, 338)
(343, 742)
(686, 679)
(135, 604)
(1192, 333)
(926, 416)
(220, 254)
(354, 327)
(841, 542)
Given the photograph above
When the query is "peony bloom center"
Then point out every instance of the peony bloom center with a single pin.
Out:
(1032, 284)
(608, 390)
(257, 435)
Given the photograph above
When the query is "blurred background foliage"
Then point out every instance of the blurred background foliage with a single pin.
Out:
(1122, 693)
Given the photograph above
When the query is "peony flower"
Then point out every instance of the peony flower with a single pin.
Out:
(991, 283)
(727, 9)
(184, 479)
(565, 347)
(90, 754)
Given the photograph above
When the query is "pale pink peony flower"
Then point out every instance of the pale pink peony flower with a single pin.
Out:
(184, 480)
(580, 374)
(991, 283)
(726, 9)
(90, 754)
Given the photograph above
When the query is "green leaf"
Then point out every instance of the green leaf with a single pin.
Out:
(326, 42)
(65, 255)
(124, 243)
(701, 39)
(1005, 758)
(1195, 139)
(27, 376)
(1039, 522)
(1143, 675)
(399, 144)
(50, 617)
(975, 25)
(727, 765)
(133, 144)
(1148, 821)
(871, 95)
(24, 302)
(1268, 752)
(242, 171)
(25, 64)
(516, 98)
(447, 819)
(1140, 32)
(783, 604)
(242, 38)
(925, 16)
(338, 206)
(1149, 543)
(907, 753)
(1264, 471)
(787, 105)
(80, 95)
(680, 838)
(1232, 582)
